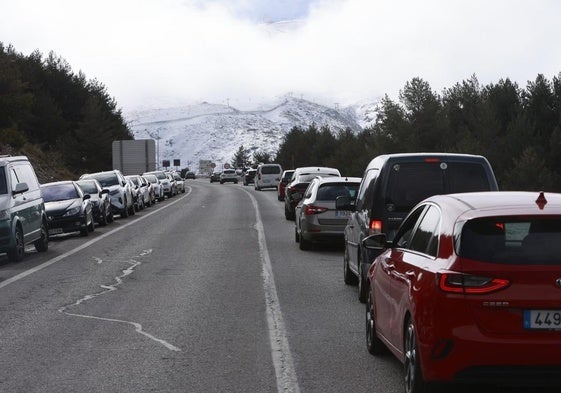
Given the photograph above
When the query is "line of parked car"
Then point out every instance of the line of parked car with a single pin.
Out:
(461, 281)
(30, 212)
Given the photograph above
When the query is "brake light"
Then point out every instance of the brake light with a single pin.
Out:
(432, 159)
(375, 227)
(311, 210)
(469, 284)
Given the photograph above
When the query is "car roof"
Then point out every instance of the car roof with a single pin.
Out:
(499, 203)
(379, 161)
(339, 179)
(56, 183)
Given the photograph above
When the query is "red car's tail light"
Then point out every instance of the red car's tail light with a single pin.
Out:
(375, 226)
(311, 209)
(469, 284)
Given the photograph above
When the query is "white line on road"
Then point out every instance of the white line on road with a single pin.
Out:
(83, 246)
(287, 381)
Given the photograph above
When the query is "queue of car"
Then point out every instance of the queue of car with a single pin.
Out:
(31, 213)
(461, 282)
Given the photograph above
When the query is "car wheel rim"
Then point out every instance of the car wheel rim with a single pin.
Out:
(410, 358)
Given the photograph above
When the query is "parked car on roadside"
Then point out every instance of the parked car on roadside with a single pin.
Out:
(228, 175)
(468, 290)
(285, 179)
(190, 175)
(156, 186)
(23, 219)
(391, 185)
(179, 181)
(137, 192)
(68, 208)
(165, 182)
(316, 218)
(301, 178)
(267, 176)
(100, 200)
(173, 183)
(249, 176)
(119, 190)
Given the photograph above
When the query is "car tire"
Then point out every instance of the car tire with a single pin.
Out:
(91, 226)
(132, 210)
(104, 220)
(16, 253)
(110, 216)
(348, 276)
(362, 282)
(305, 245)
(125, 211)
(374, 345)
(85, 231)
(413, 375)
(296, 235)
(42, 244)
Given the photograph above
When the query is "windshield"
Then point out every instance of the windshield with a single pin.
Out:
(59, 192)
(106, 179)
(151, 178)
(3, 185)
(88, 187)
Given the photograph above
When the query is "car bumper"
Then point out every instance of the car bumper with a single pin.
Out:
(66, 224)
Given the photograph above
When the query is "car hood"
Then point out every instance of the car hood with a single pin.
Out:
(61, 206)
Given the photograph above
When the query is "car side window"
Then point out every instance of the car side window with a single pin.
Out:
(403, 236)
(425, 238)
(362, 198)
(14, 179)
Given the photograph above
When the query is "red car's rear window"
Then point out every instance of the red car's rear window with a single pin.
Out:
(507, 240)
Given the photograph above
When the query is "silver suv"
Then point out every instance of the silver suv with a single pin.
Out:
(22, 211)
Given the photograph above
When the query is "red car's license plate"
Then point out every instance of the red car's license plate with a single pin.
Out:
(542, 319)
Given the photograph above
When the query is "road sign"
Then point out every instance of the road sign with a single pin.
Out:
(226, 166)
(213, 165)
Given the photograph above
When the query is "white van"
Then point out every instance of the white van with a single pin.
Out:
(267, 176)
(23, 219)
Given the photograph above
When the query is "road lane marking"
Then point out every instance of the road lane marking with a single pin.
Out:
(52, 261)
(287, 381)
(113, 287)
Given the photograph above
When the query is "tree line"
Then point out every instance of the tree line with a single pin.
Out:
(517, 129)
(44, 103)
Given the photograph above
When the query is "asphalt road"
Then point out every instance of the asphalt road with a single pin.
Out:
(204, 292)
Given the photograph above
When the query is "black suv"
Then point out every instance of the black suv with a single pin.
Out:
(391, 186)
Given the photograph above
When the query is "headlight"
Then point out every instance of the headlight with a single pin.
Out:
(4, 215)
(72, 212)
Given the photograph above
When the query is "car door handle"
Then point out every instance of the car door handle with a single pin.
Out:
(410, 274)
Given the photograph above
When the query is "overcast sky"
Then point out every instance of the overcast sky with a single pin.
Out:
(168, 52)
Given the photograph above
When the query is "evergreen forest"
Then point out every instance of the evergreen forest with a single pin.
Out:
(517, 129)
(48, 110)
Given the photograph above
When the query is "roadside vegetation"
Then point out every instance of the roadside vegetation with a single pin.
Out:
(62, 121)
(517, 129)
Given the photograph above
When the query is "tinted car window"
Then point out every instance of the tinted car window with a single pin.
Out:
(531, 241)
(3, 182)
(425, 239)
(406, 229)
(270, 170)
(364, 199)
(330, 192)
(26, 174)
(466, 177)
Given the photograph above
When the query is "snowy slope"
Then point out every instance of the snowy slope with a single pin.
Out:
(215, 132)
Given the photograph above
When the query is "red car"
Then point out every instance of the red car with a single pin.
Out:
(285, 179)
(469, 290)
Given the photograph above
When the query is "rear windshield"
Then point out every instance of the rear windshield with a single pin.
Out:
(524, 241)
(3, 184)
(229, 172)
(409, 183)
(330, 192)
(270, 170)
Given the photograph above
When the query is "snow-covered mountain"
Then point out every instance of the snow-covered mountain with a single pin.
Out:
(215, 132)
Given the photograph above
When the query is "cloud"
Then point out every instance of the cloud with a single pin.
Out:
(150, 52)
